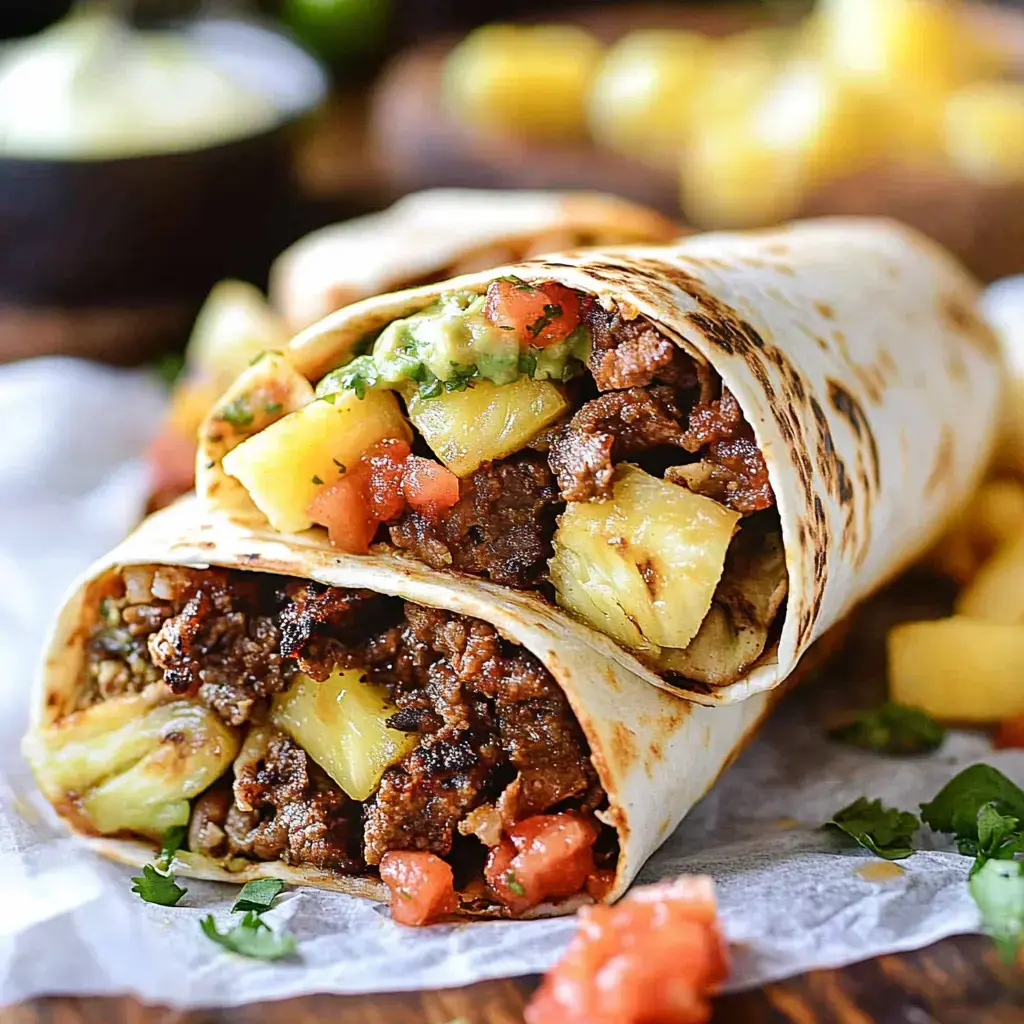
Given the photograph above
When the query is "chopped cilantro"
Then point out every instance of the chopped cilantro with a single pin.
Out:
(317, 480)
(461, 378)
(956, 807)
(514, 884)
(884, 831)
(258, 896)
(551, 312)
(359, 376)
(998, 889)
(528, 364)
(238, 413)
(156, 887)
(169, 367)
(517, 281)
(173, 838)
(892, 729)
(431, 388)
(252, 938)
(272, 408)
(999, 837)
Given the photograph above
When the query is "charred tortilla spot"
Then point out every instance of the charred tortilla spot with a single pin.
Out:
(945, 458)
(848, 407)
(825, 310)
(845, 484)
(964, 318)
(649, 572)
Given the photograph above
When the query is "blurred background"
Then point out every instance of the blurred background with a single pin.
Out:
(150, 148)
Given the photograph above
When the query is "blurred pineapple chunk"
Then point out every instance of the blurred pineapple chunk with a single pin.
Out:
(486, 421)
(643, 98)
(996, 594)
(526, 79)
(958, 669)
(985, 132)
(342, 724)
(642, 566)
(882, 43)
(994, 516)
(129, 766)
(234, 326)
(284, 466)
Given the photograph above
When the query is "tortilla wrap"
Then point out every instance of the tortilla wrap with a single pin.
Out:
(443, 232)
(655, 754)
(854, 349)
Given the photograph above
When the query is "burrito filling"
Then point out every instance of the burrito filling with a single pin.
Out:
(283, 720)
(534, 437)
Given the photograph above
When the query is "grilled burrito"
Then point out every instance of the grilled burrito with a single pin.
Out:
(336, 720)
(707, 452)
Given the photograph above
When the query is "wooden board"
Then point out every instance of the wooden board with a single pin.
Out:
(957, 981)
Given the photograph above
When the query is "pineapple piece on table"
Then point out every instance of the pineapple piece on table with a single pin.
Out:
(284, 466)
(958, 669)
(130, 766)
(643, 566)
(996, 594)
(486, 421)
(342, 724)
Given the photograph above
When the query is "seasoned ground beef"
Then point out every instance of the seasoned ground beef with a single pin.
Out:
(632, 353)
(501, 527)
(494, 727)
(735, 471)
(606, 430)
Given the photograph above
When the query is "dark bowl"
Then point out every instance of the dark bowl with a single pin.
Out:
(110, 258)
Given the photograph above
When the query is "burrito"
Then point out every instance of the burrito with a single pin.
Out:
(424, 237)
(345, 721)
(706, 452)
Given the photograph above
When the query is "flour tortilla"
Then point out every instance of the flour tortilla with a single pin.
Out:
(856, 352)
(442, 232)
(655, 754)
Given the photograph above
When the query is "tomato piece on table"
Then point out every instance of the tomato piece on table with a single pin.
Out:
(385, 462)
(344, 508)
(1010, 733)
(429, 486)
(654, 958)
(422, 886)
(542, 314)
(548, 856)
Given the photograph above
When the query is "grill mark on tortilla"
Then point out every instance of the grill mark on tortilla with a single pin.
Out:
(945, 457)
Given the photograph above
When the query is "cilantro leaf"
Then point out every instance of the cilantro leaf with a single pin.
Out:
(173, 838)
(258, 896)
(517, 281)
(551, 312)
(884, 831)
(528, 365)
(998, 889)
(956, 807)
(252, 938)
(892, 729)
(156, 887)
(169, 367)
(238, 413)
(999, 838)
(431, 388)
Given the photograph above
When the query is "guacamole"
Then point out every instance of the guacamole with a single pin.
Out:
(448, 345)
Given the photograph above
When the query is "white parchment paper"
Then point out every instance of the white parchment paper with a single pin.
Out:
(791, 895)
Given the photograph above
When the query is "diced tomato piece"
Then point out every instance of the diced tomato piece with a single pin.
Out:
(429, 486)
(652, 959)
(386, 464)
(1010, 733)
(344, 508)
(600, 883)
(171, 459)
(542, 314)
(421, 884)
(548, 856)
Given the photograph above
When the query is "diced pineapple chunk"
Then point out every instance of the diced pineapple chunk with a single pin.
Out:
(958, 669)
(284, 466)
(131, 766)
(486, 421)
(643, 566)
(234, 326)
(985, 132)
(642, 100)
(996, 594)
(341, 724)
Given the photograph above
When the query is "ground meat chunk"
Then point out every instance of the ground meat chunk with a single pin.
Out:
(632, 353)
(501, 527)
(287, 808)
(609, 428)
(733, 470)
(220, 646)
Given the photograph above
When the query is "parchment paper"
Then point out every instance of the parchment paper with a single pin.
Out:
(791, 895)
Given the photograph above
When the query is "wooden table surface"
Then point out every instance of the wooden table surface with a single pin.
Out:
(957, 981)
